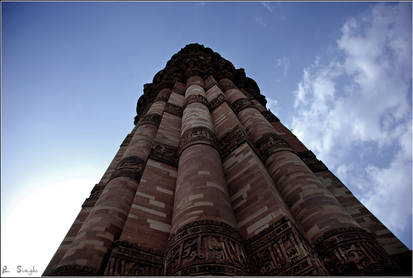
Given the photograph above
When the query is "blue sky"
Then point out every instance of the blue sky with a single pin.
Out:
(337, 74)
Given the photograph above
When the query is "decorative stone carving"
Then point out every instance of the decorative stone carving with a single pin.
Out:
(131, 167)
(216, 102)
(195, 98)
(353, 251)
(232, 140)
(195, 59)
(173, 109)
(281, 250)
(205, 247)
(270, 116)
(94, 195)
(241, 104)
(130, 259)
(164, 153)
(312, 162)
(151, 119)
(270, 143)
(73, 270)
(197, 135)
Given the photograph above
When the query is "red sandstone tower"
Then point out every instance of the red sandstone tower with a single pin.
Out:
(209, 182)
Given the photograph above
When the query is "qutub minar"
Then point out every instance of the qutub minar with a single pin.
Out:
(209, 182)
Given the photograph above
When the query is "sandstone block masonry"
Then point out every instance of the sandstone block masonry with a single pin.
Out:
(210, 182)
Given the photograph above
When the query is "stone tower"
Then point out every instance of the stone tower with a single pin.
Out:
(211, 182)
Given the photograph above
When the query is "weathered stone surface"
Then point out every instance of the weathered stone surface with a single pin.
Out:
(281, 250)
(107, 217)
(197, 135)
(173, 109)
(131, 167)
(241, 104)
(269, 116)
(128, 259)
(311, 161)
(164, 153)
(210, 182)
(353, 251)
(94, 196)
(232, 140)
(368, 221)
(206, 247)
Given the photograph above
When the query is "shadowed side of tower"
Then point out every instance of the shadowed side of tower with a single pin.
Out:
(209, 182)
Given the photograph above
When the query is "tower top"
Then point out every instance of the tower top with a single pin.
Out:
(196, 59)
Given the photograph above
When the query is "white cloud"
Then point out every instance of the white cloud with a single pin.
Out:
(267, 6)
(282, 64)
(272, 104)
(391, 196)
(260, 20)
(361, 101)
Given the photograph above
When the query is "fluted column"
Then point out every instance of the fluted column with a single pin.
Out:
(274, 244)
(139, 250)
(203, 238)
(106, 219)
(324, 221)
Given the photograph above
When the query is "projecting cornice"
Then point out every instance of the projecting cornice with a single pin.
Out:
(196, 59)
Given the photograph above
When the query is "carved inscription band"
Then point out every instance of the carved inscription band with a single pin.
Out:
(173, 109)
(151, 119)
(352, 251)
(164, 153)
(197, 135)
(232, 140)
(205, 247)
(195, 98)
(281, 250)
(129, 259)
(241, 104)
(270, 143)
(216, 102)
(131, 167)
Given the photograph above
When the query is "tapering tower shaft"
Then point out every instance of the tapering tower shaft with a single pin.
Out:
(209, 182)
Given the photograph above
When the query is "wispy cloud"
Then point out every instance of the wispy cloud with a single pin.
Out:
(282, 64)
(267, 6)
(359, 101)
(272, 104)
(260, 20)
